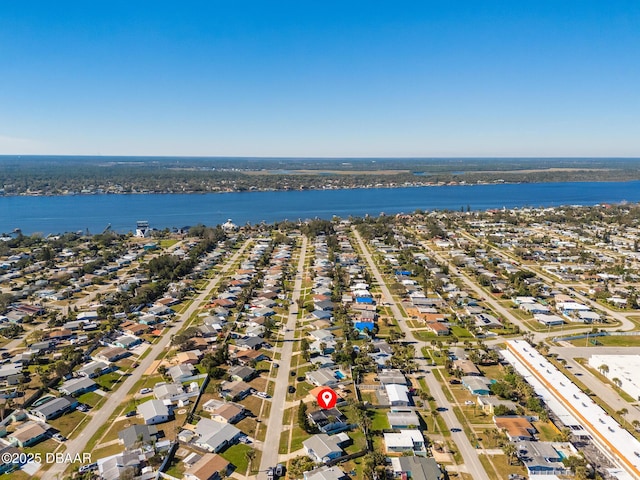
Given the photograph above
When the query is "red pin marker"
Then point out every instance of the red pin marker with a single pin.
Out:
(327, 398)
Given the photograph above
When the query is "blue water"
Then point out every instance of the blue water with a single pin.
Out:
(340, 375)
(94, 212)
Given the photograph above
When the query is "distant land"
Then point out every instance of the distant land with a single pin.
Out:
(75, 175)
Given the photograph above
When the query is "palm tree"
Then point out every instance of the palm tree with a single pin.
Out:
(636, 424)
(604, 369)
(510, 451)
(249, 455)
(617, 381)
(621, 413)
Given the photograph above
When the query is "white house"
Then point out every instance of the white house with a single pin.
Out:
(154, 411)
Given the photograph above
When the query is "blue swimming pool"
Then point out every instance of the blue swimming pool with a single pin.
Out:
(340, 375)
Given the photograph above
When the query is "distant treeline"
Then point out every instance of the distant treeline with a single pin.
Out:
(64, 175)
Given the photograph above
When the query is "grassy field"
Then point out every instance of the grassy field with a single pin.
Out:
(609, 341)
(236, 454)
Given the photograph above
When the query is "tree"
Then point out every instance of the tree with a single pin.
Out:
(621, 413)
(303, 421)
(604, 369)
(510, 451)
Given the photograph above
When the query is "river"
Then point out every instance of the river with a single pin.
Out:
(50, 215)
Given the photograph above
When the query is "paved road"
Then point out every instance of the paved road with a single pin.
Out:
(274, 426)
(471, 461)
(101, 416)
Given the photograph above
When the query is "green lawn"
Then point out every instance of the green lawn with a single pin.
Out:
(610, 341)
(236, 454)
(90, 398)
(379, 421)
(107, 381)
(66, 423)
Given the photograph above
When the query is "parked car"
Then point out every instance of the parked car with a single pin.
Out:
(131, 413)
(59, 437)
(262, 394)
(280, 470)
(88, 468)
(144, 391)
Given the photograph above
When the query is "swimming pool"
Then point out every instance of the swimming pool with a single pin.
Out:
(340, 375)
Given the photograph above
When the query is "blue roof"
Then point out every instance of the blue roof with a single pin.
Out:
(364, 326)
(368, 300)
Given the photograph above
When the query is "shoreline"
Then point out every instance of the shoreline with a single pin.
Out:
(355, 187)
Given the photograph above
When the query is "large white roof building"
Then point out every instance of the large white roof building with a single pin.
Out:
(576, 409)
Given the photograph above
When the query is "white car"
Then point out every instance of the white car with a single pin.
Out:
(262, 394)
(144, 391)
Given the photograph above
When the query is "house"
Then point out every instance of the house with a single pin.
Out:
(329, 421)
(322, 335)
(28, 434)
(438, 328)
(541, 458)
(123, 465)
(488, 404)
(94, 369)
(10, 459)
(112, 354)
(392, 376)
(192, 357)
(54, 408)
(127, 341)
(78, 386)
(323, 448)
(208, 467)
(249, 343)
(548, 320)
(245, 357)
(484, 320)
(241, 373)
(398, 395)
(467, 367)
(179, 373)
(215, 436)
(399, 420)
(136, 329)
(134, 434)
(411, 441)
(325, 473)
(516, 428)
(477, 385)
(168, 391)
(154, 411)
(235, 390)
(323, 377)
(228, 412)
(416, 468)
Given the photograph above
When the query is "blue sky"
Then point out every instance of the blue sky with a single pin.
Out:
(310, 78)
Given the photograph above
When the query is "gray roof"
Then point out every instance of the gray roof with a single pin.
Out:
(131, 435)
(53, 406)
(325, 473)
(323, 445)
(392, 376)
(213, 434)
(420, 468)
(79, 384)
(153, 408)
(404, 419)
